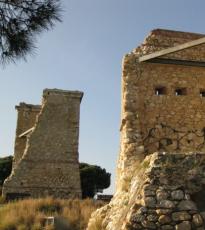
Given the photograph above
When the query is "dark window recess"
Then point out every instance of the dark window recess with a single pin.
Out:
(17, 196)
(199, 199)
(169, 141)
(180, 91)
(202, 93)
(188, 141)
(160, 91)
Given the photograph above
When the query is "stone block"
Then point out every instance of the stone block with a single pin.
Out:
(180, 216)
(185, 225)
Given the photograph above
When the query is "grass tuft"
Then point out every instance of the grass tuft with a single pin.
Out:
(31, 213)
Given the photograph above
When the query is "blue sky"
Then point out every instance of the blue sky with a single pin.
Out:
(85, 53)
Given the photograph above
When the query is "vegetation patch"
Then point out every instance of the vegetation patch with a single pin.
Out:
(31, 214)
(50, 207)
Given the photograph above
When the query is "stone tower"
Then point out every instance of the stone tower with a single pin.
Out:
(161, 166)
(163, 98)
(46, 148)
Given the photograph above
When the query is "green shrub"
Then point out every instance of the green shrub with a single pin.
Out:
(5, 168)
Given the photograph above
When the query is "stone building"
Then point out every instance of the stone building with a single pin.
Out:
(46, 148)
(161, 166)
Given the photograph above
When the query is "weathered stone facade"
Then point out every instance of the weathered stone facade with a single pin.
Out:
(27, 115)
(46, 148)
(163, 110)
(166, 192)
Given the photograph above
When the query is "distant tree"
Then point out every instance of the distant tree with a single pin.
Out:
(5, 168)
(20, 21)
(93, 179)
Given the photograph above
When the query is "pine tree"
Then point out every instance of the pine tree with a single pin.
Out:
(20, 22)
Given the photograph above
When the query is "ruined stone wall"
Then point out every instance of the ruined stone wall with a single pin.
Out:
(49, 165)
(159, 39)
(160, 178)
(171, 196)
(166, 122)
(27, 115)
(166, 193)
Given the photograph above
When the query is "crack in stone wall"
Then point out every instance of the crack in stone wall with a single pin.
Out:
(164, 137)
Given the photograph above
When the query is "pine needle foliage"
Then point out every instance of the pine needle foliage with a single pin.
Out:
(20, 22)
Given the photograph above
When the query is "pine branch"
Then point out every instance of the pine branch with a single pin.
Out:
(21, 21)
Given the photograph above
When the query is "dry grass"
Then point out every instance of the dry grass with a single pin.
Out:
(29, 214)
(2, 199)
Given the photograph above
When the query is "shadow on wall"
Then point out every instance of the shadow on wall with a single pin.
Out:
(199, 199)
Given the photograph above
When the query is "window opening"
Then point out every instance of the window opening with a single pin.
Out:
(160, 91)
(180, 91)
(202, 93)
